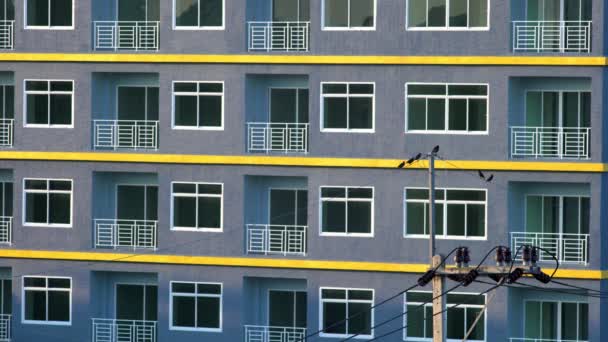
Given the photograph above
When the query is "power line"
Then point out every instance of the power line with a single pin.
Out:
(545, 289)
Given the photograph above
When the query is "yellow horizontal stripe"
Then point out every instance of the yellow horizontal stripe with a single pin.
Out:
(299, 161)
(302, 59)
(357, 266)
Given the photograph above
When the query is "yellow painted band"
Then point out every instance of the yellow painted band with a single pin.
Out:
(299, 161)
(356, 266)
(303, 59)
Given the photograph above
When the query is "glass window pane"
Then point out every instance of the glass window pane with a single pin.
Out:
(466, 195)
(360, 193)
(415, 321)
(569, 321)
(7, 297)
(360, 295)
(333, 294)
(301, 310)
(467, 90)
(186, 110)
(478, 13)
(210, 108)
(436, 114)
(34, 282)
(333, 192)
(61, 86)
(583, 330)
(334, 88)
(61, 12)
(455, 219)
(418, 194)
(478, 334)
(37, 109)
(416, 114)
(550, 320)
(60, 185)
(209, 288)
(37, 13)
(476, 217)
(59, 306)
(471, 299)
(360, 113)
(571, 215)
(61, 110)
(362, 322)
(209, 212)
(426, 89)
(183, 287)
(35, 184)
(436, 13)
(183, 311)
(206, 87)
(336, 13)
(211, 12)
(359, 217)
(458, 115)
(361, 88)
(186, 13)
(458, 13)
(533, 321)
(361, 13)
(212, 189)
(334, 217)
(334, 113)
(416, 219)
(455, 326)
(208, 312)
(189, 188)
(35, 208)
(59, 283)
(478, 115)
(59, 208)
(332, 314)
(184, 211)
(183, 87)
(416, 13)
(35, 305)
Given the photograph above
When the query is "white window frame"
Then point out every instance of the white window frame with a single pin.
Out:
(560, 198)
(447, 20)
(197, 196)
(345, 301)
(347, 95)
(446, 98)
(46, 290)
(197, 94)
(199, 28)
(49, 93)
(445, 203)
(50, 225)
(346, 200)
(48, 27)
(560, 308)
(196, 295)
(430, 321)
(348, 28)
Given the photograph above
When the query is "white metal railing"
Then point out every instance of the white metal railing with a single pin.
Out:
(277, 137)
(552, 36)
(568, 248)
(523, 339)
(135, 134)
(6, 230)
(114, 330)
(7, 30)
(279, 35)
(126, 35)
(550, 142)
(5, 328)
(6, 132)
(276, 239)
(113, 233)
(258, 333)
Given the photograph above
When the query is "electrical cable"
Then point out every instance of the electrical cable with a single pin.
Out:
(521, 286)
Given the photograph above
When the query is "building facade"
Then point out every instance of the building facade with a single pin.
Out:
(226, 170)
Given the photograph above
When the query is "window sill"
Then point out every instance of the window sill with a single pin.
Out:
(346, 29)
(50, 28)
(192, 128)
(448, 29)
(43, 225)
(443, 237)
(343, 336)
(334, 130)
(47, 126)
(366, 235)
(199, 28)
(208, 330)
(198, 230)
(480, 133)
(56, 323)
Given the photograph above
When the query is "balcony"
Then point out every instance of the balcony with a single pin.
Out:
(255, 333)
(113, 233)
(552, 36)
(568, 248)
(5, 328)
(6, 132)
(288, 36)
(114, 330)
(6, 229)
(276, 239)
(129, 134)
(126, 35)
(550, 142)
(277, 137)
(7, 29)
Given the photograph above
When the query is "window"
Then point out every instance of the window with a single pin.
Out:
(459, 213)
(558, 215)
(49, 103)
(447, 14)
(459, 319)
(349, 14)
(347, 107)
(47, 202)
(198, 105)
(6, 296)
(197, 206)
(196, 306)
(49, 14)
(347, 211)
(338, 304)
(447, 108)
(199, 14)
(47, 300)
(556, 321)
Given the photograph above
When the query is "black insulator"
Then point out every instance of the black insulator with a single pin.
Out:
(470, 277)
(458, 257)
(515, 275)
(526, 255)
(426, 278)
(500, 256)
(466, 257)
(507, 255)
(534, 255)
(542, 277)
